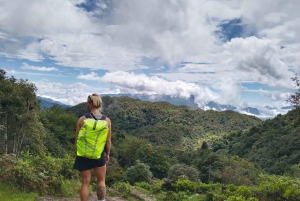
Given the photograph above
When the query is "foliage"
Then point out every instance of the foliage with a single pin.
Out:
(127, 148)
(123, 187)
(12, 193)
(159, 163)
(236, 171)
(60, 127)
(294, 99)
(268, 188)
(154, 187)
(137, 173)
(183, 171)
(273, 145)
(114, 173)
(18, 113)
(43, 174)
(275, 188)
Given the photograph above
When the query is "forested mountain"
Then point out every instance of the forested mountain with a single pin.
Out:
(162, 123)
(274, 144)
(47, 103)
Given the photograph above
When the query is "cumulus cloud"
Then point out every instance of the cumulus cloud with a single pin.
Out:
(69, 94)
(41, 18)
(140, 83)
(92, 76)
(258, 61)
(28, 67)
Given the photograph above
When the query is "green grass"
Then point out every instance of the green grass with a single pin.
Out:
(9, 193)
(71, 188)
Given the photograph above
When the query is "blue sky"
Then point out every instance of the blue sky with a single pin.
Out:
(234, 52)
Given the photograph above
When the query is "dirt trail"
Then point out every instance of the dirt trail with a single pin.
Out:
(93, 197)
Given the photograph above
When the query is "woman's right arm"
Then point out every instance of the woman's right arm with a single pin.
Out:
(78, 127)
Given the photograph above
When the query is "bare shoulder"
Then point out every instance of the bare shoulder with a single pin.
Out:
(80, 121)
(107, 119)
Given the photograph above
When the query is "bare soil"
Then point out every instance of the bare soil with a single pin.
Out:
(93, 197)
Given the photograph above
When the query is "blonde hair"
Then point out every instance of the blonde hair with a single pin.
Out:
(96, 100)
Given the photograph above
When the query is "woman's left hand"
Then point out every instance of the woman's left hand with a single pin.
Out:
(107, 158)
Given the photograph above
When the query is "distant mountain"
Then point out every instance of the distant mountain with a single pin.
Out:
(219, 107)
(211, 105)
(288, 107)
(47, 102)
(251, 110)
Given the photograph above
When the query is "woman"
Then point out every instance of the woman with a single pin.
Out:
(86, 165)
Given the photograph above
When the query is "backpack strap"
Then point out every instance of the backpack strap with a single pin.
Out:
(91, 115)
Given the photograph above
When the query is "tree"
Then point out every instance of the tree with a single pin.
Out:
(138, 173)
(127, 149)
(204, 145)
(60, 126)
(158, 162)
(19, 106)
(2, 74)
(181, 170)
(294, 99)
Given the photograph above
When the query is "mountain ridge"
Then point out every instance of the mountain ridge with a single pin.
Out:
(211, 105)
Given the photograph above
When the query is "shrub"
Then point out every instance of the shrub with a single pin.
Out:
(180, 196)
(137, 173)
(185, 185)
(43, 174)
(123, 188)
(183, 171)
(114, 172)
(278, 188)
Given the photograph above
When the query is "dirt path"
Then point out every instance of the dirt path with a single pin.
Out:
(93, 197)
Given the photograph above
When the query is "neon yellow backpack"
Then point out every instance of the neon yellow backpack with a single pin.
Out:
(92, 137)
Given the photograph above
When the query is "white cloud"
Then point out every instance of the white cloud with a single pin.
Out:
(70, 94)
(141, 83)
(258, 60)
(28, 67)
(92, 76)
(14, 72)
(42, 18)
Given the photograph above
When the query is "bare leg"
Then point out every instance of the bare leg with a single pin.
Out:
(86, 179)
(101, 190)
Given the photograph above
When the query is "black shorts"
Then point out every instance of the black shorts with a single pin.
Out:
(82, 163)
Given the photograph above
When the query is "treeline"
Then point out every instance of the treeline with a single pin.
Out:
(274, 145)
(26, 127)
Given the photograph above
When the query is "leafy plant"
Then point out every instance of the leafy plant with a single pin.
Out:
(183, 171)
(123, 188)
(137, 173)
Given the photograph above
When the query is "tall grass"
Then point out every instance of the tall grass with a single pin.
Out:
(9, 193)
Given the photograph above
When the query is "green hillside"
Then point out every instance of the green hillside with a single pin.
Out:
(274, 144)
(162, 123)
